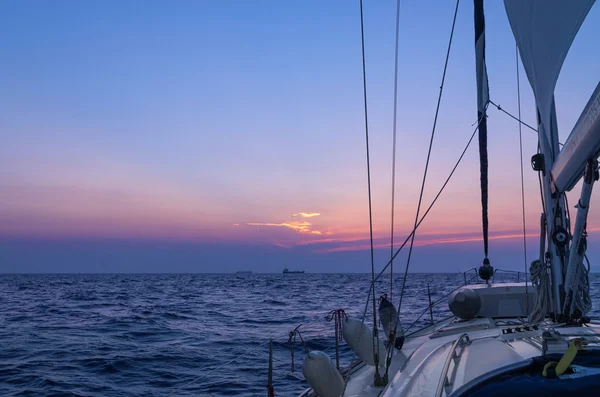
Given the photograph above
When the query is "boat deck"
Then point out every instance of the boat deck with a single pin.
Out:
(446, 358)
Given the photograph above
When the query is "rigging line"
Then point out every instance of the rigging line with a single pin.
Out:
(517, 119)
(394, 127)
(364, 73)
(437, 196)
(568, 214)
(522, 177)
(541, 187)
(412, 240)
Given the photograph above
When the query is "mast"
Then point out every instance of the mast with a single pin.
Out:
(544, 31)
(485, 271)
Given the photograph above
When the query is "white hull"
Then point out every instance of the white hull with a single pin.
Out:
(452, 355)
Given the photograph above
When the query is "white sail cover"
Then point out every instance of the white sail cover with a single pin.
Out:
(544, 31)
(582, 145)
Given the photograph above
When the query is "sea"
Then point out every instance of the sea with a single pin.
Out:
(189, 334)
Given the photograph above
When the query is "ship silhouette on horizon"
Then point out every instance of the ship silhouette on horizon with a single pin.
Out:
(287, 271)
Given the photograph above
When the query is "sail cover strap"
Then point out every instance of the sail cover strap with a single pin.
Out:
(482, 101)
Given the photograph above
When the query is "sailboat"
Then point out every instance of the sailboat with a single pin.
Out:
(513, 339)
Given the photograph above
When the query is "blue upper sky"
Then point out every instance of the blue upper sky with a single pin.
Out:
(210, 124)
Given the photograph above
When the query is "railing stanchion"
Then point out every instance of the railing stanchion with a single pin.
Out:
(337, 337)
(430, 304)
(270, 390)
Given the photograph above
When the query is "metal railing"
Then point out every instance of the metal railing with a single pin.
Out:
(467, 281)
(429, 309)
(445, 381)
(431, 305)
(510, 271)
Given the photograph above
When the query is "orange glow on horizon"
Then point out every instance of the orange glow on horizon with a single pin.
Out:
(435, 241)
(73, 212)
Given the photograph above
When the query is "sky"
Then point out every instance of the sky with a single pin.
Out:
(218, 136)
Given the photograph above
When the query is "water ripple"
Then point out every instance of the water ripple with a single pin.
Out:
(185, 334)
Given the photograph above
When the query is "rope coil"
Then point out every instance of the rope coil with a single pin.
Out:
(337, 314)
(540, 279)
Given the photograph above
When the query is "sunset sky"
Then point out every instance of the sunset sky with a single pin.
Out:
(214, 136)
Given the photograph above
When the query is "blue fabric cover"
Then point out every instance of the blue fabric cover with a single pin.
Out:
(529, 382)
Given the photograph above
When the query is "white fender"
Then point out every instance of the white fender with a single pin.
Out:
(321, 374)
(360, 338)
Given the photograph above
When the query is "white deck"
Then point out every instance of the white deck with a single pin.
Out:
(433, 362)
(429, 366)
(453, 354)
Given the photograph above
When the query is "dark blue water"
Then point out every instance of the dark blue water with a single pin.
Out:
(180, 335)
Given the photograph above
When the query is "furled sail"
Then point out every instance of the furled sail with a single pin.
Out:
(483, 98)
(544, 31)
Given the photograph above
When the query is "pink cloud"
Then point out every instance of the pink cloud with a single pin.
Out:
(301, 227)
